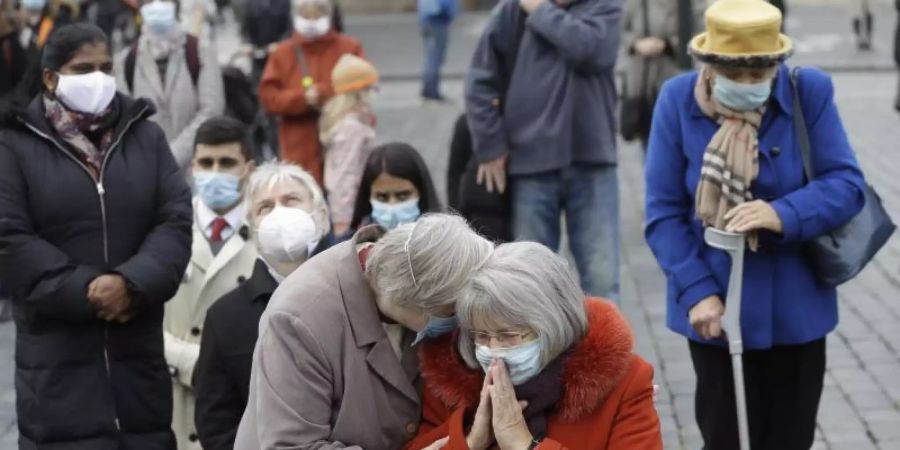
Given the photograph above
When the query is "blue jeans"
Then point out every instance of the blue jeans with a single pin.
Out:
(590, 198)
(435, 38)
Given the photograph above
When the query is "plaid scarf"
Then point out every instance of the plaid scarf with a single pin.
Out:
(73, 128)
(731, 160)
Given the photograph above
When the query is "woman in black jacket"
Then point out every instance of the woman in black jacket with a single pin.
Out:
(95, 234)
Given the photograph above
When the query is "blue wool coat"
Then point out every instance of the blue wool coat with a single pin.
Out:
(783, 303)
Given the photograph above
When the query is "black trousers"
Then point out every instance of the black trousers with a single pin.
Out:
(783, 385)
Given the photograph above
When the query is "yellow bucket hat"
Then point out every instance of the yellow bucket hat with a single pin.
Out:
(743, 33)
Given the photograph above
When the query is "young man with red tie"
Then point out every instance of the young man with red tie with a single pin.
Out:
(222, 257)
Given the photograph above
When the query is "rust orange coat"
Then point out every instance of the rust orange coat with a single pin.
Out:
(282, 93)
(607, 399)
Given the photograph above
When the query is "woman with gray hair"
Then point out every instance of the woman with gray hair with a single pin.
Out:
(537, 366)
(335, 364)
(289, 219)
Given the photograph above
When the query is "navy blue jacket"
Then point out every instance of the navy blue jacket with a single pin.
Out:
(83, 383)
(783, 303)
(560, 104)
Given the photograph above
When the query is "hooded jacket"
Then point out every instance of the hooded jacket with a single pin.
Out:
(81, 382)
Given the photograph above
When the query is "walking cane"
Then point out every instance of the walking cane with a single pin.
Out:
(734, 244)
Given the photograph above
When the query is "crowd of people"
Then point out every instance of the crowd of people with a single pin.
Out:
(173, 288)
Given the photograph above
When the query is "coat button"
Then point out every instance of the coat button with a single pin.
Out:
(192, 437)
(195, 331)
(776, 151)
(411, 428)
(242, 279)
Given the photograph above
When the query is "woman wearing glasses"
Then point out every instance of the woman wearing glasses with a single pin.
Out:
(535, 365)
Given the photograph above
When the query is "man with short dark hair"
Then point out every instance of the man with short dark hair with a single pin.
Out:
(222, 256)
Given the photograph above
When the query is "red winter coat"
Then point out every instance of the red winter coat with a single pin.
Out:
(607, 401)
(282, 93)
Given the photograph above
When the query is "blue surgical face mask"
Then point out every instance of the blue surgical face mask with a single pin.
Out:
(523, 361)
(34, 5)
(741, 96)
(392, 215)
(436, 327)
(218, 190)
(159, 17)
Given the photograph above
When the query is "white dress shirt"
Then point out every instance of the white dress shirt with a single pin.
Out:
(234, 219)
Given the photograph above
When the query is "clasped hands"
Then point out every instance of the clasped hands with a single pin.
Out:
(109, 295)
(498, 419)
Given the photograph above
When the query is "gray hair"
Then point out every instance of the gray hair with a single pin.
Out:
(272, 173)
(329, 7)
(524, 284)
(427, 263)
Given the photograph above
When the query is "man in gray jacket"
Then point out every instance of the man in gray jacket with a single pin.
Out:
(544, 115)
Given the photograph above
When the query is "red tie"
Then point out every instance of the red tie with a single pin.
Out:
(218, 224)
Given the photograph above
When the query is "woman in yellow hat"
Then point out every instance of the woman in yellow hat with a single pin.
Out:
(724, 152)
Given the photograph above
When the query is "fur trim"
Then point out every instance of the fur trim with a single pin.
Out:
(593, 367)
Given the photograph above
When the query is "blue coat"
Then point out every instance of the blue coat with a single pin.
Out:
(783, 303)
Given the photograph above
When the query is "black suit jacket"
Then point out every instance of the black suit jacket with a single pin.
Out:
(222, 375)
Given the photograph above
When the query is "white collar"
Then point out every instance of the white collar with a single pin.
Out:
(206, 216)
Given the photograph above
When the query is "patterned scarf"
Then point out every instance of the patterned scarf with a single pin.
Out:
(74, 127)
(731, 160)
(161, 46)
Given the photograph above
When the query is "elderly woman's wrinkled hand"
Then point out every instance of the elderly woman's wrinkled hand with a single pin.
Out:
(510, 428)
(755, 215)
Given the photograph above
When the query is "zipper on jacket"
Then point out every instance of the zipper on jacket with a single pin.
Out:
(101, 192)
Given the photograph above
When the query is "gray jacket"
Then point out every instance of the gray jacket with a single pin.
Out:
(561, 101)
(180, 106)
(325, 375)
(662, 18)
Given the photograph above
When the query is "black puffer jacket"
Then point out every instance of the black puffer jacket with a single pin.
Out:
(83, 383)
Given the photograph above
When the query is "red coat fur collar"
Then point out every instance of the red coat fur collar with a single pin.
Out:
(592, 369)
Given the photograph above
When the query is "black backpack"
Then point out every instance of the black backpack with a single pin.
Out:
(191, 55)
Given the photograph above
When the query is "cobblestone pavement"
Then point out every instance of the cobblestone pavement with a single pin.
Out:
(860, 407)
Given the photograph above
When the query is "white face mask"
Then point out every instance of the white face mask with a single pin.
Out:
(312, 29)
(89, 93)
(286, 235)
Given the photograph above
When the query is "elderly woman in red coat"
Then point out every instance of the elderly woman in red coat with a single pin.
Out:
(535, 365)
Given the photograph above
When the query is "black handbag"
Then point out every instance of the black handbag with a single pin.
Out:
(840, 255)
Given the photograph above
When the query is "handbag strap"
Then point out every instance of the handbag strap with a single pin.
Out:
(800, 129)
(301, 63)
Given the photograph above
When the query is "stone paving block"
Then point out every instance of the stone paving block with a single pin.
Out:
(870, 401)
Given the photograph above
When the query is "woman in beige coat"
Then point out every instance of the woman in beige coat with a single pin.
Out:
(651, 47)
(177, 72)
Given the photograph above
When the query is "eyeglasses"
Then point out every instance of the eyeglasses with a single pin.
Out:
(504, 338)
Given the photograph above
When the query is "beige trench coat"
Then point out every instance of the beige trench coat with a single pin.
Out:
(324, 373)
(206, 280)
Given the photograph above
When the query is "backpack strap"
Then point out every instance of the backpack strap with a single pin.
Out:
(513, 56)
(192, 55)
(130, 60)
